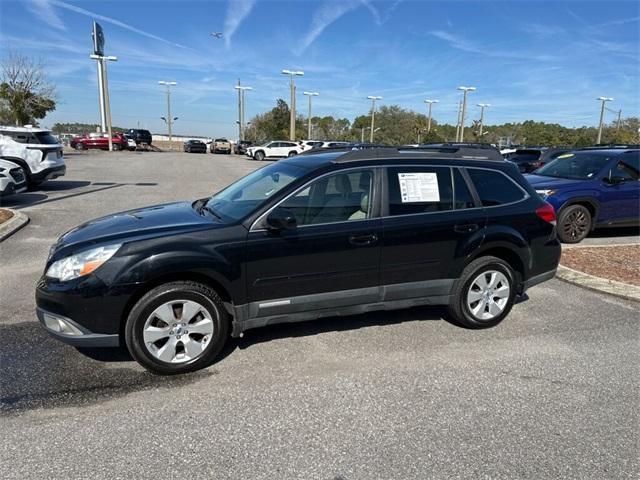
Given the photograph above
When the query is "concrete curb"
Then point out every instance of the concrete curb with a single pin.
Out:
(14, 224)
(603, 285)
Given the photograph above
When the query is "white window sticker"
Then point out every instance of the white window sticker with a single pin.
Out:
(419, 187)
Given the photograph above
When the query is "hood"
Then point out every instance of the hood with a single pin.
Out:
(542, 182)
(137, 224)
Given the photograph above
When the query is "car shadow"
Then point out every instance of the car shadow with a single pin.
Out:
(29, 199)
(61, 185)
(41, 372)
(615, 232)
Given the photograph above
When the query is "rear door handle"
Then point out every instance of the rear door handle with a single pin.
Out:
(466, 227)
(363, 240)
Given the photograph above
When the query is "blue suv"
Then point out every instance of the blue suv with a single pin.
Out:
(591, 188)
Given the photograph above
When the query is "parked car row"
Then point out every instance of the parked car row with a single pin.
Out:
(132, 139)
(29, 156)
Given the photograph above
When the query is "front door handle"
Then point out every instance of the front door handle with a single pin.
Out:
(363, 240)
(466, 227)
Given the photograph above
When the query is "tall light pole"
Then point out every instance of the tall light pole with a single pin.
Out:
(464, 109)
(373, 99)
(169, 118)
(603, 100)
(482, 107)
(241, 91)
(292, 121)
(105, 104)
(430, 103)
(310, 94)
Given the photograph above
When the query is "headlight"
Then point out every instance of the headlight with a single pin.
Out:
(82, 263)
(545, 193)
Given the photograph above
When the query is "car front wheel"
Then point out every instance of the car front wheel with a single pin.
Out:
(484, 294)
(177, 328)
(259, 156)
(79, 146)
(574, 223)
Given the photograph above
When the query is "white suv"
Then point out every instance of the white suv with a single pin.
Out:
(36, 150)
(12, 178)
(277, 149)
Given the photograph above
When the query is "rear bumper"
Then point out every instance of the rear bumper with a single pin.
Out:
(49, 173)
(66, 330)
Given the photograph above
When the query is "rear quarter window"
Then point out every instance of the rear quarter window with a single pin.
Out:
(495, 188)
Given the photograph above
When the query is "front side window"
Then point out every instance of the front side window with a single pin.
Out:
(628, 168)
(250, 192)
(340, 197)
(494, 188)
(419, 190)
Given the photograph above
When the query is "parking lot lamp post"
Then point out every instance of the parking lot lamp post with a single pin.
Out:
(169, 118)
(373, 99)
(430, 103)
(464, 109)
(603, 100)
(482, 107)
(310, 94)
(241, 123)
(105, 104)
(292, 85)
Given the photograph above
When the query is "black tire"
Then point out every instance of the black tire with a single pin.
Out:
(116, 147)
(459, 309)
(79, 146)
(183, 290)
(574, 223)
(292, 153)
(259, 155)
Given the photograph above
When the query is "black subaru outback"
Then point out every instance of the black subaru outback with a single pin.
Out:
(315, 235)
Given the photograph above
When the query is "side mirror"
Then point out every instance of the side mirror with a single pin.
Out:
(281, 219)
(614, 180)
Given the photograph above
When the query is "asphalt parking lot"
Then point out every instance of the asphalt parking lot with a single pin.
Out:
(552, 392)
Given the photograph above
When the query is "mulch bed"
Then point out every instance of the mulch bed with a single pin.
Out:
(620, 263)
(5, 215)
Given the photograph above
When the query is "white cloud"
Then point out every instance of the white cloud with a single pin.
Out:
(324, 16)
(236, 13)
(45, 12)
(110, 20)
(461, 43)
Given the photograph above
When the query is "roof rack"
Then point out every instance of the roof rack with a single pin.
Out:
(482, 145)
(608, 146)
(461, 153)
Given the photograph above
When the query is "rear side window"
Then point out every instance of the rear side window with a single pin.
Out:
(419, 190)
(494, 188)
(462, 197)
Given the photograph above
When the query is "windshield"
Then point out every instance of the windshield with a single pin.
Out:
(579, 166)
(248, 193)
(525, 156)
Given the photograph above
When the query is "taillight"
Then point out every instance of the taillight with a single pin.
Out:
(547, 213)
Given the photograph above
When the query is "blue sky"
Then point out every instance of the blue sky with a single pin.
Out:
(536, 60)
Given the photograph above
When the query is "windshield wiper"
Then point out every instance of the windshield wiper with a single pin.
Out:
(212, 211)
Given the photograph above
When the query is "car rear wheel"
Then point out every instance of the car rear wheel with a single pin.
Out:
(79, 146)
(259, 156)
(177, 328)
(574, 224)
(484, 294)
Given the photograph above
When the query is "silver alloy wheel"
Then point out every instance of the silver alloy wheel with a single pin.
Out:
(178, 331)
(488, 295)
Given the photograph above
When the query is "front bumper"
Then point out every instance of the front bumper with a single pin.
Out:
(71, 333)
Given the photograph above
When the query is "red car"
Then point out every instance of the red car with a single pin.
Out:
(99, 140)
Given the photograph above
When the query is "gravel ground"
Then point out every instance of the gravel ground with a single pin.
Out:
(552, 392)
(614, 263)
(5, 215)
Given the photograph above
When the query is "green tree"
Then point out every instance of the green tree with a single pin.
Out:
(25, 93)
